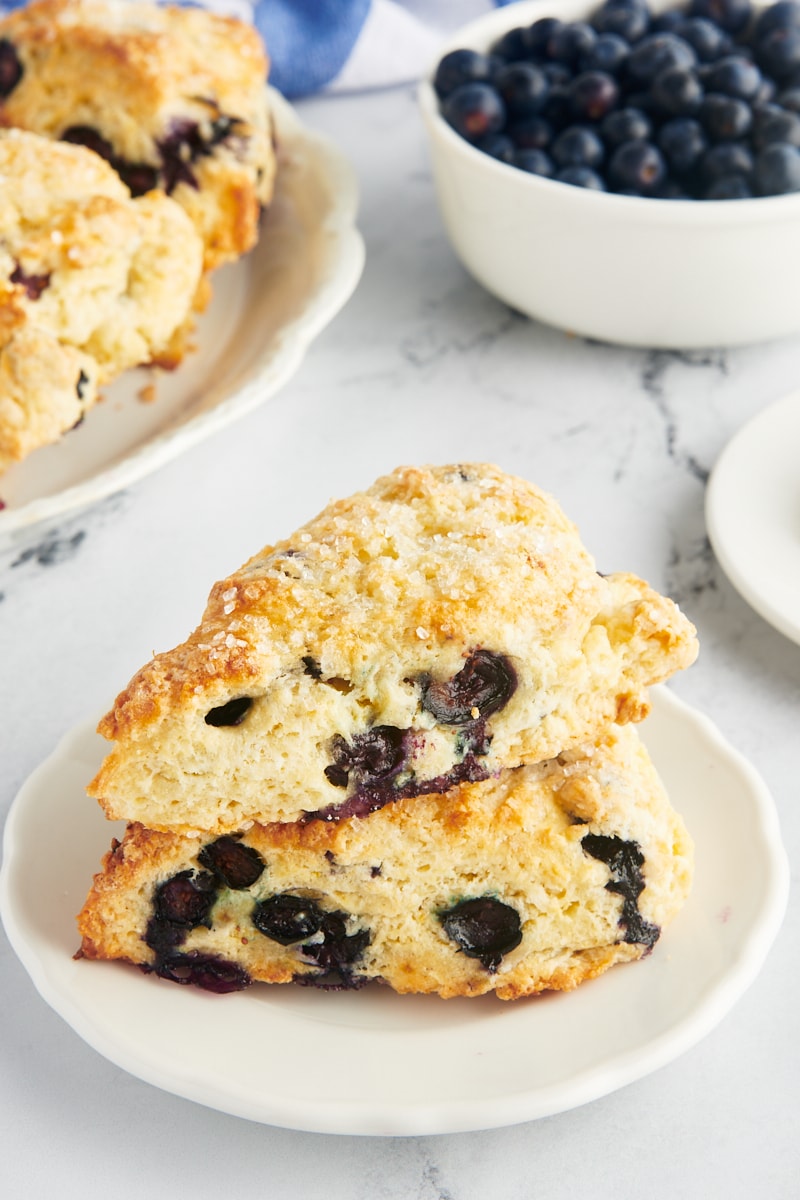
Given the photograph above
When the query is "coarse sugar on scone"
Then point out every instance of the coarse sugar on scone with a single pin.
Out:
(174, 97)
(92, 282)
(442, 626)
(538, 879)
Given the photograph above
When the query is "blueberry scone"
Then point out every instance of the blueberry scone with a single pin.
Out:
(538, 879)
(173, 97)
(92, 282)
(433, 630)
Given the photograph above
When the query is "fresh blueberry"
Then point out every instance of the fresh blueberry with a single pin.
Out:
(607, 54)
(778, 52)
(237, 865)
(474, 110)
(777, 170)
(774, 124)
(231, 713)
(558, 74)
(11, 70)
(483, 686)
(497, 145)
(671, 189)
(534, 133)
(636, 167)
(728, 187)
(677, 92)
(523, 89)
(459, 67)
(583, 177)
(513, 46)
(708, 41)
(578, 146)
(783, 15)
(558, 107)
(540, 33)
(668, 21)
(725, 118)
(734, 76)
(535, 162)
(571, 43)
(726, 159)
(658, 52)
(682, 142)
(483, 928)
(593, 95)
(789, 99)
(628, 19)
(730, 15)
(625, 125)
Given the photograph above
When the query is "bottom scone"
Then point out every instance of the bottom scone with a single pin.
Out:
(536, 880)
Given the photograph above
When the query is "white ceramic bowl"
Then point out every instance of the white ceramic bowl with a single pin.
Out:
(641, 272)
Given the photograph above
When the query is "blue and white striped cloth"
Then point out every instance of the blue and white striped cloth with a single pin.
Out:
(345, 45)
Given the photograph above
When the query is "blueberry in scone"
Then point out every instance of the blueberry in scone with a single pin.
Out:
(92, 282)
(537, 879)
(174, 98)
(440, 627)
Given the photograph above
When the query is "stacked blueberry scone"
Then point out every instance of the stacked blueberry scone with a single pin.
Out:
(399, 746)
(92, 282)
(174, 98)
(137, 158)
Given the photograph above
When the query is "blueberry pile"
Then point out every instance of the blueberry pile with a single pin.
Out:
(700, 103)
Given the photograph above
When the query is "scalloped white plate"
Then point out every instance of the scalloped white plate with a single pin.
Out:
(266, 310)
(753, 514)
(372, 1062)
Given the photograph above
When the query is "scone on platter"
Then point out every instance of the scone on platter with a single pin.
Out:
(535, 880)
(434, 630)
(173, 97)
(92, 282)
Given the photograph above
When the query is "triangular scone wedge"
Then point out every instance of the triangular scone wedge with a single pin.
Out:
(538, 879)
(444, 625)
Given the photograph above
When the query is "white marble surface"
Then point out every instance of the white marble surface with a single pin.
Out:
(421, 366)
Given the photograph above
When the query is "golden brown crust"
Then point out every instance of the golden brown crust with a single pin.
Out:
(517, 839)
(335, 631)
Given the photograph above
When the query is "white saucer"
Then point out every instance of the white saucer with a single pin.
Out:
(372, 1062)
(266, 310)
(753, 513)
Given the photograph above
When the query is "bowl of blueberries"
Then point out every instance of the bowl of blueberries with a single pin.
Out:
(627, 170)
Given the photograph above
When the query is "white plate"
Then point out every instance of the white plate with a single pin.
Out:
(372, 1062)
(267, 309)
(753, 514)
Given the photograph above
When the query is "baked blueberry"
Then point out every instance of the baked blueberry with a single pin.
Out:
(375, 756)
(85, 135)
(474, 110)
(286, 918)
(483, 686)
(34, 285)
(483, 928)
(231, 713)
(186, 899)
(624, 860)
(237, 865)
(10, 67)
(203, 970)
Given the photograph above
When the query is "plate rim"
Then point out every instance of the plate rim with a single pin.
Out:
(368, 1118)
(340, 275)
(714, 503)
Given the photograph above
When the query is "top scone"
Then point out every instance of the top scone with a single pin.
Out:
(441, 626)
(173, 97)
